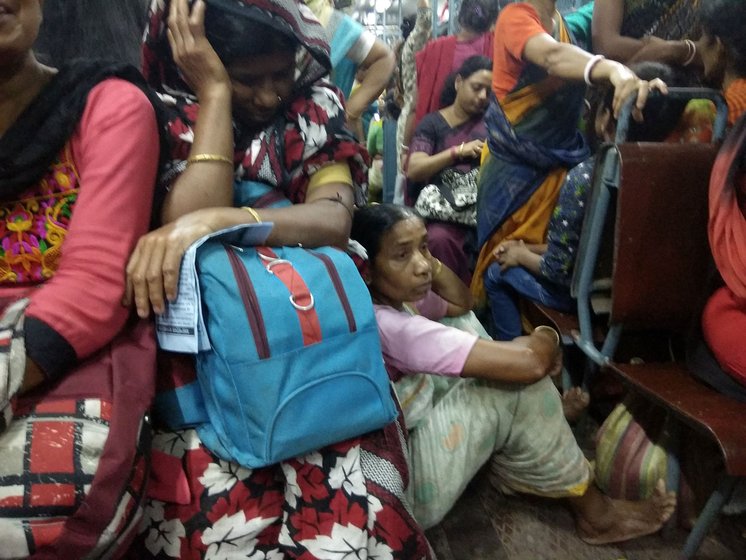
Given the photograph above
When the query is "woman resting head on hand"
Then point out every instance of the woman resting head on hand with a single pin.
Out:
(260, 128)
(511, 414)
(252, 124)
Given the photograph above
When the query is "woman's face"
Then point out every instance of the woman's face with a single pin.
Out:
(261, 84)
(401, 271)
(19, 26)
(472, 93)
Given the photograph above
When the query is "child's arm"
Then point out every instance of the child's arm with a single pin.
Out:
(450, 287)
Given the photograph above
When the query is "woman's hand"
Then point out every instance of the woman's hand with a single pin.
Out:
(198, 62)
(508, 253)
(625, 83)
(471, 150)
(153, 268)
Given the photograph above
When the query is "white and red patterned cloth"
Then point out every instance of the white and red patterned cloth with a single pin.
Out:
(343, 501)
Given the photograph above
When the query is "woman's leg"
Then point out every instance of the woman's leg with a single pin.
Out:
(449, 446)
(504, 287)
(542, 457)
(602, 520)
(503, 299)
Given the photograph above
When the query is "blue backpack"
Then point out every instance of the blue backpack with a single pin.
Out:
(295, 362)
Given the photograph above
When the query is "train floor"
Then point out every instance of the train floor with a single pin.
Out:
(486, 525)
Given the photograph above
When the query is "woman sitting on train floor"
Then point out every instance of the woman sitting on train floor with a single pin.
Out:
(450, 140)
(539, 79)
(543, 272)
(269, 129)
(722, 362)
(79, 149)
(477, 398)
(442, 56)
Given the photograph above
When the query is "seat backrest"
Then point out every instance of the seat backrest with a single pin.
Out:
(661, 251)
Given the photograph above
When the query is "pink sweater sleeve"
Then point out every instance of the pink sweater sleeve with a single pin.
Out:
(115, 149)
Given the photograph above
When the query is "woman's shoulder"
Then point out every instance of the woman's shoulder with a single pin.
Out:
(114, 98)
(432, 122)
(120, 92)
(515, 12)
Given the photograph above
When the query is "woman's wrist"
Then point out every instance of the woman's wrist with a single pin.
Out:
(214, 93)
(545, 331)
(592, 64)
(617, 72)
(691, 52)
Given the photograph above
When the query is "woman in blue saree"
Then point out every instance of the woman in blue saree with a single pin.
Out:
(538, 84)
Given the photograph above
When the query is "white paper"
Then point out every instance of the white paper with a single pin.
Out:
(181, 327)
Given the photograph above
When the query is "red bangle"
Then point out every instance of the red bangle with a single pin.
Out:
(453, 153)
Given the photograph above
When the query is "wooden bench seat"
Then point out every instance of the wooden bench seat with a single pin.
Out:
(708, 412)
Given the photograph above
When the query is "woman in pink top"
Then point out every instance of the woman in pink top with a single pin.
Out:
(468, 399)
(78, 159)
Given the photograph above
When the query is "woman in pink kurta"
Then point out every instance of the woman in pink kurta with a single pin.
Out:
(78, 156)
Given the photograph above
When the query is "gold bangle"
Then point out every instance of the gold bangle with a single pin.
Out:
(461, 151)
(253, 213)
(353, 117)
(547, 328)
(438, 266)
(197, 158)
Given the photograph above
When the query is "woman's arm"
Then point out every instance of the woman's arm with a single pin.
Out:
(569, 62)
(379, 65)
(526, 359)
(153, 269)
(203, 184)
(450, 287)
(608, 40)
(76, 312)
(413, 344)
(606, 31)
(423, 166)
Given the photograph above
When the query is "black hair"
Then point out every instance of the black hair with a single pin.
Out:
(407, 25)
(477, 15)
(370, 224)
(235, 38)
(91, 29)
(661, 114)
(726, 19)
(470, 66)
(391, 108)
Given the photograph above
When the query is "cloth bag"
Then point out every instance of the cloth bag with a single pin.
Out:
(632, 448)
(454, 200)
(296, 361)
(98, 414)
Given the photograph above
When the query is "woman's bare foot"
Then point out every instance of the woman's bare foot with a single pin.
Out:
(574, 402)
(624, 520)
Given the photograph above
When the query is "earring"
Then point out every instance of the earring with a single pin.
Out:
(279, 99)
